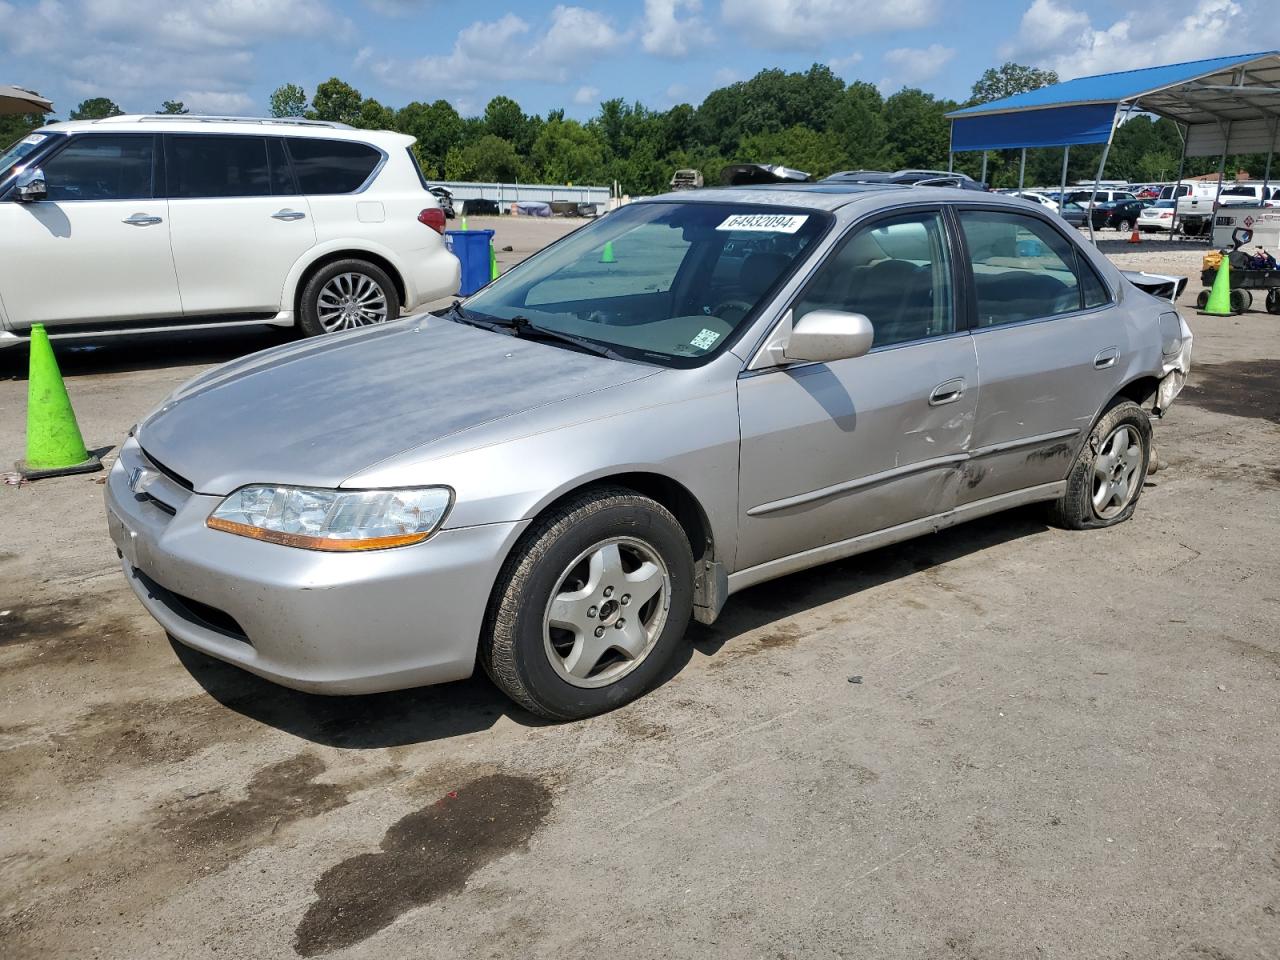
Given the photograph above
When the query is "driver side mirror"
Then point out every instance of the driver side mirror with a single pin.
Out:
(825, 335)
(30, 186)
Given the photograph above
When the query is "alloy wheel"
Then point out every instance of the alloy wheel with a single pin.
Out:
(350, 300)
(606, 612)
(1116, 471)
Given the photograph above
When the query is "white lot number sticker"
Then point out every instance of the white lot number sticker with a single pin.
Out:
(704, 340)
(765, 222)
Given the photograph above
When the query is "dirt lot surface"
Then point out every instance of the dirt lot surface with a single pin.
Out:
(1063, 745)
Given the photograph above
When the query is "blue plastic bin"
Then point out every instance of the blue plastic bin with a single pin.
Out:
(471, 247)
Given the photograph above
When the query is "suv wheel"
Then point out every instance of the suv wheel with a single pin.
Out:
(346, 295)
(1106, 480)
(591, 606)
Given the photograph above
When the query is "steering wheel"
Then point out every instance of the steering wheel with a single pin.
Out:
(743, 306)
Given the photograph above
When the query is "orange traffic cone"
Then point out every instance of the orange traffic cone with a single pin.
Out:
(1135, 237)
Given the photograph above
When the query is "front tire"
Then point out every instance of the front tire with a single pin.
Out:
(1106, 479)
(345, 295)
(591, 606)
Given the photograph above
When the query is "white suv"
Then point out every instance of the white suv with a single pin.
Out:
(137, 223)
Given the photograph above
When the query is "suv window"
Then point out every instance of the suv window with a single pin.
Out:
(1023, 269)
(217, 166)
(896, 272)
(102, 167)
(332, 166)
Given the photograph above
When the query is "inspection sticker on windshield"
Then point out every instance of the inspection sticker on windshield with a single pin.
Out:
(765, 222)
(704, 340)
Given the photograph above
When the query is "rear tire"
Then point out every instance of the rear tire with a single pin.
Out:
(1106, 480)
(1202, 299)
(346, 295)
(1241, 300)
(564, 636)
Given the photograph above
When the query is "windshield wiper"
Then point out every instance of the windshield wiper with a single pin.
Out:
(526, 328)
(456, 312)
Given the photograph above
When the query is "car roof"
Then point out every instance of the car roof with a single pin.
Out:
(195, 123)
(829, 195)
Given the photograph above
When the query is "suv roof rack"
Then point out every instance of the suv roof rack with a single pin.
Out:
(200, 118)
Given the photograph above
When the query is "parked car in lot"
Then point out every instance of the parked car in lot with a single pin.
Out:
(1250, 194)
(1086, 197)
(1045, 201)
(916, 178)
(1118, 214)
(1075, 214)
(137, 223)
(1158, 216)
(553, 476)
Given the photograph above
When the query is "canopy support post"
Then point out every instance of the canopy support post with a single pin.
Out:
(1266, 176)
(1177, 184)
(984, 168)
(951, 161)
(1222, 169)
(1062, 190)
(1022, 169)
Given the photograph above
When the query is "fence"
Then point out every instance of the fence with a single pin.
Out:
(505, 194)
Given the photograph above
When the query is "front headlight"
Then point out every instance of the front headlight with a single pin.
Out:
(337, 520)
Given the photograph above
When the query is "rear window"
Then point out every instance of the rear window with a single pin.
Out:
(332, 166)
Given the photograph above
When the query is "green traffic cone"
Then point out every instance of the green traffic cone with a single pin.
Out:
(493, 262)
(54, 445)
(1219, 304)
(464, 223)
(606, 255)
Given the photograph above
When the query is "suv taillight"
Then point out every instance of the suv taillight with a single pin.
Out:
(432, 217)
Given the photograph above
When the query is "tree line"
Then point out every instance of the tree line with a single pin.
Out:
(810, 120)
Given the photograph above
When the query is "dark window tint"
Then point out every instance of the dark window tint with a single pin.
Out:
(331, 166)
(217, 166)
(1091, 285)
(1023, 269)
(896, 272)
(281, 174)
(102, 167)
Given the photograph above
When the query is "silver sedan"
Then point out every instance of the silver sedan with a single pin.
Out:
(690, 396)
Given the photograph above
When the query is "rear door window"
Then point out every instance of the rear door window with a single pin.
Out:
(103, 167)
(332, 166)
(217, 166)
(1023, 269)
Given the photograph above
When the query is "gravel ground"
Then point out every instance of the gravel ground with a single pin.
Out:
(1063, 745)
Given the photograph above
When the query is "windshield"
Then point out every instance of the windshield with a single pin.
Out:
(668, 283)
(16, 152)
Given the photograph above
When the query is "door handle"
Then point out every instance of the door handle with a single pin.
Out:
(141, 220)
(1106, 358)
(288, 215)
(948, 392)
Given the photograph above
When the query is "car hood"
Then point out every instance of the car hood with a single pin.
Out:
(317, 412)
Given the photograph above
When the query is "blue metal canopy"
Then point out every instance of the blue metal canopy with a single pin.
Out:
(1241, 88)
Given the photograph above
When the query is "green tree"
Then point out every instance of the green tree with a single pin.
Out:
(1009, 79)
(917, 131)
(95, 108)
(489, 158)
(568, 152)
(173, 107)
(436, 127)
(857, 124)
(289, 100)
(799, 147)
(15, 126)
(374, 116)
(504, 118)
(336, 101)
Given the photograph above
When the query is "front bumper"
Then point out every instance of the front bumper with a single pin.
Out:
(319, 622)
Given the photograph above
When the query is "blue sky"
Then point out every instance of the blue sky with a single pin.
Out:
(225, 56)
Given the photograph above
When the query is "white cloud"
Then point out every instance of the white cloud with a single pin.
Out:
(809, 24)
(841, 64)
(1055, 35)
(725, 76)
(574, 38)
(397, 8)
(586, 96)
(666, 34)
(911, 66)
(139, 52)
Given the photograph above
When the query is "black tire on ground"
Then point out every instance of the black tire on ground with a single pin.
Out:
(309, 320)
(1075, 509)
(1273, 300)
(513, 644)
(1241, 300)
(1202, 299)
(1124, 226)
